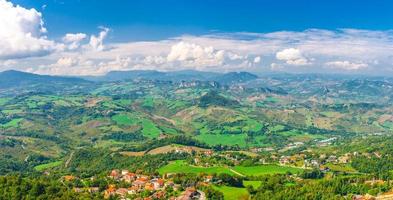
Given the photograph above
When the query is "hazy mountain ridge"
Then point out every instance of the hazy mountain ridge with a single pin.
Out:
(175, 76)
(14, 78)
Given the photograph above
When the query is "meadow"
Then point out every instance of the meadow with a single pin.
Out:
(254, 184)
(180, 166)
(265, 169)
(43, 167)
(233, 193)
(223, 139)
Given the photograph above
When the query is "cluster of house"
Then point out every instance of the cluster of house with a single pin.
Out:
(291, 146)
(139, 183)
(316, 162)
(154, 184)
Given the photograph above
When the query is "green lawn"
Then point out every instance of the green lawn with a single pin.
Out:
(232, 193)
(180, 166)
(265, 169)
(48, 165)
(224, 139)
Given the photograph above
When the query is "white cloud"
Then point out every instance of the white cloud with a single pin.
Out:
(21, 32)
(23, 38)
(193, 54)
(97, 42)
(257, 59)
(73, 40)
(292, 56)
(346, 65)
(66, 62)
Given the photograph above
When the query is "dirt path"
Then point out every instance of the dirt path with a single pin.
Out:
(236, 172)
(69, 159)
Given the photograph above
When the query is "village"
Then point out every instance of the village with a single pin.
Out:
(127, 185)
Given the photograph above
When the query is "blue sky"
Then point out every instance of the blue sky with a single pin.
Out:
(157, 19)
(93, 37)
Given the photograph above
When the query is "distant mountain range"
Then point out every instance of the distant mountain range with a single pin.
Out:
(176, 76)
(14, 78)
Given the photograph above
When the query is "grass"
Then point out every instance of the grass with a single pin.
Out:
(272, 99)
(341, 167)
(168, 130)
(123, 119)
(148, 103)
(388, 124)
(3, 101)
(13, 123)
(232, 193)
(328, 114)
(253, 125)
(180, 166)
(124, 102)
(223, 139)
(254, 184)
(150, 129)
(265, 169)
(43, 167)
(276, 128)
(12, 111)
(292, 132)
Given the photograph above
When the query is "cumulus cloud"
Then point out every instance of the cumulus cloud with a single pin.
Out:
(200, 57)
(346, 65)
(97, 42)
(73, 40)
(292, 56)
(194, 54)
(24, 45)
(21, 32)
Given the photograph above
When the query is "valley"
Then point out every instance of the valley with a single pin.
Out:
(293, 129)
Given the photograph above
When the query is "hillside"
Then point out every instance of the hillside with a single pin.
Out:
(64, 113)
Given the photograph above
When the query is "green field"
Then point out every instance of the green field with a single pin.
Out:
(276, 128)
(13, 123)
(43, 167)
(148, 103)
(149, 129)
(123, 119)
(180, 166)
(254, 184)
(223, 139)
(341, 167)
(232, 193)
(3, 101)
(265, 169)
(124, 102)
(388, 124)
